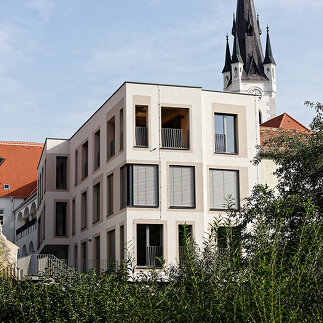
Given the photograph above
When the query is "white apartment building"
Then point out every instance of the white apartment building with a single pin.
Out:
(151, 159)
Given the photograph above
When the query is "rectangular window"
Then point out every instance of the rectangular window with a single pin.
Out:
(84, 257)
(61, 174)
(73, 217)
(149, 245)
(97, 150)
(122, 243)
(223, 184)
(1, 216)
(96, 203)
(111, 239)
(140, 188)
(141, 126)
(75, 258)
(61, 219)
(110, 194)
(121, 129)
(185, 233)
(228, 237)
(76, 166)
(43, 223)
(97, 253)
(123, 187)
(182, 186)
(225, 133)
(85, 160)
(111, 138)
(84, 211)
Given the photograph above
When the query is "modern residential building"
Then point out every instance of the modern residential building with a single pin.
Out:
(151, 159)
(18, 180)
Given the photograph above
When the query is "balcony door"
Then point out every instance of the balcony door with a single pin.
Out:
(149, 245)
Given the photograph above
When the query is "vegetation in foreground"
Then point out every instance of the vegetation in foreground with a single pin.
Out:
(277, 278)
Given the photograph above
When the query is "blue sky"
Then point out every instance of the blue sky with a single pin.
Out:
(61, 59)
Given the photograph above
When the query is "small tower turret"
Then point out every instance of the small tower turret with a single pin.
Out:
(270, 65)
(227, 66)
(236, 66)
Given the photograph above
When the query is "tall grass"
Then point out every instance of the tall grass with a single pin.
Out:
(270, 282)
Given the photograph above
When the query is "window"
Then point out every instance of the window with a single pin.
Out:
(75, 257)
(182, 186)
(111, 237)
(84, 211)
(61, 174)
(110, 194)
(84, 257)
(6, 187)
(85, 160)
(121, 129)
(123, 187)
(97, 253)
(149, 245)
(228, 238)
(139, 185)
(223, 183)
(1, 216)
(96, 203)
(73, 216)
(184, 232)
(76, 166)
(175, 128)
(141, 126)
(111, 138)
(122, 243)
(97, 150)
(225, 133)
(61, 219)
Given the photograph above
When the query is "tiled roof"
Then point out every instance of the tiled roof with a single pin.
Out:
(19, 168)
(284, 121)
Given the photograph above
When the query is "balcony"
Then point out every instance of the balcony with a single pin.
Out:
(154, 255)
(141, 137)
(26, 229)
(175, 138)
(220, 143)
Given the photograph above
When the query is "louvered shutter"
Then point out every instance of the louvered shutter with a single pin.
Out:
(182, 192)
(222, 184)
(145, 185)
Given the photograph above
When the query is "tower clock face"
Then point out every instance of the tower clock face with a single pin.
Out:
(256, 91)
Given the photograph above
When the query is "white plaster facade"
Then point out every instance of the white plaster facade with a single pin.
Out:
(120, 107)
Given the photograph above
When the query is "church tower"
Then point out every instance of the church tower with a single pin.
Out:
(248, 70)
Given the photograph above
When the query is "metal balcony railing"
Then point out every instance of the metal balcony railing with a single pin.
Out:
(220, 143)
(175, 138)
(112, 149)
(154, 255)
(141, 137)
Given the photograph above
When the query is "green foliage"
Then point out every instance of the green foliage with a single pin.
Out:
(268, 285)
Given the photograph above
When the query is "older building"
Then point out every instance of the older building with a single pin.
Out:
(18, 180)
(151, 159)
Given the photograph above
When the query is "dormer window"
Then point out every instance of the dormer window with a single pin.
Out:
(6, 187)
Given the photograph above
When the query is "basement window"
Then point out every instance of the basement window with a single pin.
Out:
(6, 187)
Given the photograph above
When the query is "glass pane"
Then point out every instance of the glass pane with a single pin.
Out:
(230, 134)
(218, 124)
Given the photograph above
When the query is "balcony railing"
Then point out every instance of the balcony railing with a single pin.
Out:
(220, 143)
(112, 149)
(141, 137)
(175, 138)
(154, 255)
(26, 229)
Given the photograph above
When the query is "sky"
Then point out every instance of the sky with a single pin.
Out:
(61, 59)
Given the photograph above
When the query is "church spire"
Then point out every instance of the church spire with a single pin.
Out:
(227, 65)
(234, 25)
(269, 58)
(248, 31)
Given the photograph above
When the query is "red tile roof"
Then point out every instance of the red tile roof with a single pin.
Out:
(19, 168)
(284, 121)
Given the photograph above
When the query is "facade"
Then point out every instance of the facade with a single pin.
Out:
(151, 159)
(248, 70)
(18, 179)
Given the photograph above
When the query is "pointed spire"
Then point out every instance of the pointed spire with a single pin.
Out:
(236, 55)
(269, 58)
(259, 28)
(250, 27)
(234, 25)
(227, 65)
